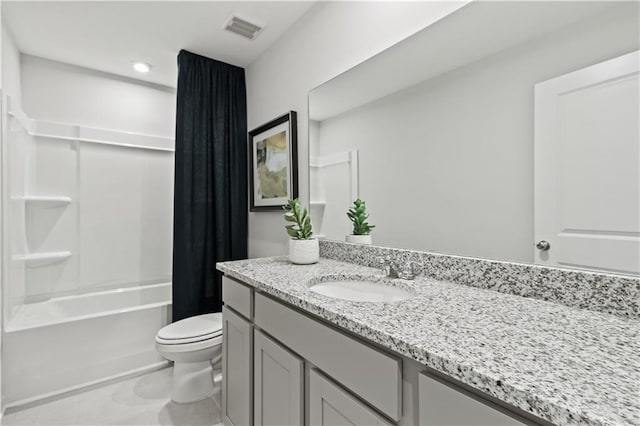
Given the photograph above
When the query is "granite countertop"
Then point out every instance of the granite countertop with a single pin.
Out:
(566, 365)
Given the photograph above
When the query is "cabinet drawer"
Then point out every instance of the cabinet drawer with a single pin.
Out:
(443, 404)
(371, 374)
(237, 296)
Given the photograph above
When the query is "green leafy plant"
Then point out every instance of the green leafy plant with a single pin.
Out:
(293, 212)
(358, 215)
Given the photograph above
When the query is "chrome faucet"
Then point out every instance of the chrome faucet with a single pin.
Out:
(386, 267)
(394, 269)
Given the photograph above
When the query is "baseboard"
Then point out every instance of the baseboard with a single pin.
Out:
(84, 387)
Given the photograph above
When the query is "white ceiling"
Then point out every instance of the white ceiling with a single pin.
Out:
(109, 35)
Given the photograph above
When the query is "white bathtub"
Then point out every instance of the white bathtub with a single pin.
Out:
(69, 342)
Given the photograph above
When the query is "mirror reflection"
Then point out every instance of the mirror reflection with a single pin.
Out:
(523, 148)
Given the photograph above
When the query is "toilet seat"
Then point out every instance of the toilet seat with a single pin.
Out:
(200, 345)
(187, 340)
(195, 329)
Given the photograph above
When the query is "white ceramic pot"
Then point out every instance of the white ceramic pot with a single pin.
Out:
(304, 252)
(359, 239)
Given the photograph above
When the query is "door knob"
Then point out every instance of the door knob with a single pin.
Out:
(543, 245)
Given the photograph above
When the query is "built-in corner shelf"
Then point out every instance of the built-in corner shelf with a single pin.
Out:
(49, 130)
(318, 207)
(41, 259)
(44, 200)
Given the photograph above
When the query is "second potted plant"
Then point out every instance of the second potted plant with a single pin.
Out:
(303, 250)
(361, 228)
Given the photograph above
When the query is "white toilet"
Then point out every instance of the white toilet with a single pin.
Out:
(195, 346)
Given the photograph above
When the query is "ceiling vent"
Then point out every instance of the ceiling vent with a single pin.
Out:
(242, 27)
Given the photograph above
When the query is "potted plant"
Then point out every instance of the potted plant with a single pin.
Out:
(303, 250)
(361, 228)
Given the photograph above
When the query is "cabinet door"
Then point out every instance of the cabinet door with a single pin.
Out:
(237, 369)
(442, 405)
(329, 405)
(278, 379)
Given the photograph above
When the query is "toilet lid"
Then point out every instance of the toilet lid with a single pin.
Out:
(194, 328)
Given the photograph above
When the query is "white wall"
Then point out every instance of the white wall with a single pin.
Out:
(331, 38)
(459, 148)
(54, 91)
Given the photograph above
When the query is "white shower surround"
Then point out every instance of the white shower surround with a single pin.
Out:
(87, 209)
(83, 303)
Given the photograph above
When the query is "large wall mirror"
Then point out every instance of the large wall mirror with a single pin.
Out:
(507, 130)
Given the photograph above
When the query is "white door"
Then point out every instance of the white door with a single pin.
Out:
(587, 161)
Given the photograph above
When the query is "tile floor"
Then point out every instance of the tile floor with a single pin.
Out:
(141, 401)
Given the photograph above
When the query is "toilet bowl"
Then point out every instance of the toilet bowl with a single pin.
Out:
(195, 346)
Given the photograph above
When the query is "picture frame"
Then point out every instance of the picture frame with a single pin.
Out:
(273, 163)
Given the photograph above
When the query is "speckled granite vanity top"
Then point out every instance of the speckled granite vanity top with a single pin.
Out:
(560, 363)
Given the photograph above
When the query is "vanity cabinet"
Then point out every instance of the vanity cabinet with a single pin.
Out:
(329, 405)
(373, 375)
(238, 296)
(278, 383)
(282, 366)
(441, 404)
(237, 353)
(237, 369)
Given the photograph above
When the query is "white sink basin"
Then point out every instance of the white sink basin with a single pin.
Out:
(361, 291)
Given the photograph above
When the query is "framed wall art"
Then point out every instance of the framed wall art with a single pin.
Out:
(273, 163)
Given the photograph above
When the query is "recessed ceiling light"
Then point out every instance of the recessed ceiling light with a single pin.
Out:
(142, 67)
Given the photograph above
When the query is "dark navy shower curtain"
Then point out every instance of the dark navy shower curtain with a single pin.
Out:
(210, 201)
